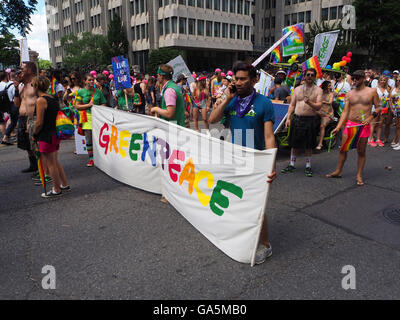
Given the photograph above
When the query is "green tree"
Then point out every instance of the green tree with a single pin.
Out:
(9, 53)
(117, 42)
(44, 64)
(85, 53)
(377, 30)
(161, 56)
(15, 14)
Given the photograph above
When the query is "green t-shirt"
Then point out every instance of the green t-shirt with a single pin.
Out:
(122, 101)
(98, 97)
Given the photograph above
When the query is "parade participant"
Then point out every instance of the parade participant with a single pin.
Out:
(383, 91)
(25, 99)
(248, 109)
(151, 95)
(396, 114)
(172, 106)
(357, 112)
(201, 96)
(124, 96)
(305, 103)
(89, 96)
(326, 111)
(43, 72)
(102, 85)
(340, 88)
(280, 92)
(216, 83)
(9, 86)
(141, 89)
(45, 134)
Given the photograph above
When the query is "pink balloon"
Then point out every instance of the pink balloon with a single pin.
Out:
(111, 76)
(349, 54)
(344, 58)
(106, 73)
(230, 73)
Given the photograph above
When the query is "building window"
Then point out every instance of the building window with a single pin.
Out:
(138, 32)
(301, 17)
(333, 13)
(161, 27)
(240, 32)
(182, 25)
(174, 22)
(287, 20)
(232, 31)
(200, 3)
(200, 27)
(208, 4)
(308, 16)
(325, 14)
(191, 3)
(294, 18)
(182, 2)
(209, 28)
(192, 26)
(217, 4)
(225, 5)
(224, 30)
(167, 26)
(246, 32)
(217, 29)
(240, 7)
(232, 6)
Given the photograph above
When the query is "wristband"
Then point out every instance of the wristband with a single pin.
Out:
(374, 114)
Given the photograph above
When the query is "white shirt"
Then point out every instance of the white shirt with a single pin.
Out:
(391, 83)
(343, 87)
(10, 90)
(374, 83)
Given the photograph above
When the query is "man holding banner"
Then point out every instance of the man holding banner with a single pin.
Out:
(357, 115)
(248, 110)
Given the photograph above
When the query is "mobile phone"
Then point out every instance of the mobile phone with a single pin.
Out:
(234, 89)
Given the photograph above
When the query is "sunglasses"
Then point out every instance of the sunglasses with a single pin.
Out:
(310, 75)
(73, 78)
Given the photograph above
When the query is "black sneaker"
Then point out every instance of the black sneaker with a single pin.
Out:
(289, 168)
(51, 194)
(308, 172)
(67, 188)
(36, 176)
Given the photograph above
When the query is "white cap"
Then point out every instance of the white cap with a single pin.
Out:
(396, 71)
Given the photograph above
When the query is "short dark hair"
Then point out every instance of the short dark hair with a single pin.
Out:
(3, 75)
(312, 70)
(278, 81)
(325, 85)
(244, 66)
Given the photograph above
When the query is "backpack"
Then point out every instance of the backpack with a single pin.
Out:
(5, 103)
(137, 100)
(64, 125)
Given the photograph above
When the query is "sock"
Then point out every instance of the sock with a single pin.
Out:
(308, 162)
(89, 149)
(292, 161)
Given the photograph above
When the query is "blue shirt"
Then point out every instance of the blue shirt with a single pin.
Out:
(261, 111)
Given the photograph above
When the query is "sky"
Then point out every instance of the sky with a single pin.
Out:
(37, 38)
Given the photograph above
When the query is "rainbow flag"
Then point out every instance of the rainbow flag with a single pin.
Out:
(353, 135)
(53, 85)
(276, 55)
(294, 44)
(40, 167)
(291, 78)
(313, 63)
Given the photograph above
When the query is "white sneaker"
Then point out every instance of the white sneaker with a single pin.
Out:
(263, 253)
(397, 148)
(396, 145)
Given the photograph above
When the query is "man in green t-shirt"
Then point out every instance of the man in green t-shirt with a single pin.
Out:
(172, 103)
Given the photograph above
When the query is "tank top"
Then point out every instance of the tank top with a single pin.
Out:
(138, 90)
(49, 120)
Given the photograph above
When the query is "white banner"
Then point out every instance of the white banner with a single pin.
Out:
(24, 52)
(324, 43)
(179, 66)
(219, 187)
(80, 143)
(265, 83)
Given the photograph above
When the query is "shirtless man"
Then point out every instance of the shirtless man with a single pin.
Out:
(306, 101)
(25, 100)
(357, 111)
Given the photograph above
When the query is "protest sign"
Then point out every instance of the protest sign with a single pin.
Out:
(294, 44)
(179, 66)
(121, 73)
(24, 51)
(219, 187)
(324, 44)
(80, 143)
(280, 110)
(265, 83)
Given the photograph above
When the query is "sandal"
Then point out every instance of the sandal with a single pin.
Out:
(330, 175)
(318, 148)
(360, 183)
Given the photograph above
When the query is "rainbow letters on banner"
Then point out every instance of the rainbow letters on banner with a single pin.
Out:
(219, 187)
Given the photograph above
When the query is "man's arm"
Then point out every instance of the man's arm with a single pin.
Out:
(318, 104)
(218, 112)
(169, 113)
(292, 106)
(270, 144)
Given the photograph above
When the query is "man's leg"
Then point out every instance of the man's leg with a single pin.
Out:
(388, 124)
(342, 159)
(292, 164)
(361, 147)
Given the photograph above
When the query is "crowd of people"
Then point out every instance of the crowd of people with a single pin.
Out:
(364, 98)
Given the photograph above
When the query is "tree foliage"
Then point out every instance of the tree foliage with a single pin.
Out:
(117, 43)
(377, 30)
(84, 53)
(160, 56)
(9, 53)
(44, 64)
(15, 14)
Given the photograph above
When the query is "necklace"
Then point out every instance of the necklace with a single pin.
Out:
(304, 91)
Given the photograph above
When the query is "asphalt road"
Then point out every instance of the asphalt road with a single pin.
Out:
(107, 240)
